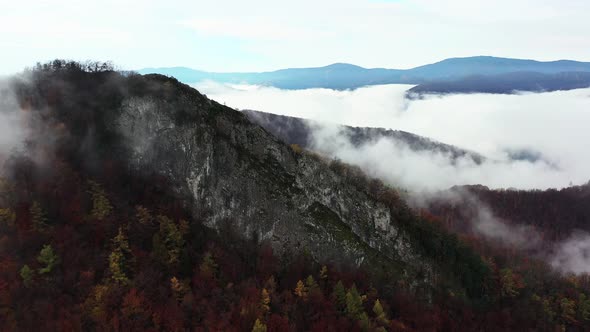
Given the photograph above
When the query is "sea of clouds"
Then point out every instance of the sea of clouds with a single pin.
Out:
(551, 127)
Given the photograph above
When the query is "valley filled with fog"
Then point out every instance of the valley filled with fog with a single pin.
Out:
(531, 140)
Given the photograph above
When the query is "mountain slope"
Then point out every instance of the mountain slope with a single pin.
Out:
(345, 76)
(235, 171)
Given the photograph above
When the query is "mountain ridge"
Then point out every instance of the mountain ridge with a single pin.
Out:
(452, 60)
(342, 76)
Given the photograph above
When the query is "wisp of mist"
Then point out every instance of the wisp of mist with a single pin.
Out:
(551, 127)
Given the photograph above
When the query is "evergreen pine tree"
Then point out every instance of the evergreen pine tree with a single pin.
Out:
(26, 273)
(380, 315)
(101, 207)
(258, 326)
(48, 258)
(339, 295)
(354, 303)
(38, 217)
(119, 258)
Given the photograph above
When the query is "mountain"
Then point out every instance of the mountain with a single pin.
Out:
(342, 76)
(488, 65)
(505, 83)
(135, 203)
(339, 76)
(154, 200)
(301, 132)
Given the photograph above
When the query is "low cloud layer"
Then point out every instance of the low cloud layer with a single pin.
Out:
(24, 131)
(573, 254)
(398, 164)
(482, 219)
(12, 121)
(570, 255)
(552, 127)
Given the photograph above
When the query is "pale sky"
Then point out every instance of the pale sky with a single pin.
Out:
(258, 35)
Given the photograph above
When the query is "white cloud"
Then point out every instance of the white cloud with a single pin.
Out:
(251, 29)
(12, 121)
(573, 254)
(398, 164)
(553, 124)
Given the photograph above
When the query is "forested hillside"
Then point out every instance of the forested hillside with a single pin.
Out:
(554, 213)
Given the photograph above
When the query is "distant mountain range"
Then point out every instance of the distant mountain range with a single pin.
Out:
(505, 83)
(471, 74)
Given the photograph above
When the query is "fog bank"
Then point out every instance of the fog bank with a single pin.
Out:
(531, 140)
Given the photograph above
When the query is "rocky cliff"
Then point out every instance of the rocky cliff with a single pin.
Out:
(236, 172)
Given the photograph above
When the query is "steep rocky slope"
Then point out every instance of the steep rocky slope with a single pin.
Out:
(236, 172)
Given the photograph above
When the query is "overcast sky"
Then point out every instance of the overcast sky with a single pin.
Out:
(256, 35)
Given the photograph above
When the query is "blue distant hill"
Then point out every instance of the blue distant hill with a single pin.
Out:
(507, 83)
(336, 76)
(341, 76)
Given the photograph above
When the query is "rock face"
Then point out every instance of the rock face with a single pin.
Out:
(236, 172)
